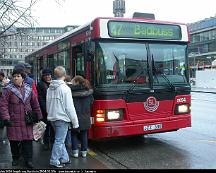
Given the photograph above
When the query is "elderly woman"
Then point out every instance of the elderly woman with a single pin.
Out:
(17, 99)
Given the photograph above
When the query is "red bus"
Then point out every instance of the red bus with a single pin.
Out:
(137, 67)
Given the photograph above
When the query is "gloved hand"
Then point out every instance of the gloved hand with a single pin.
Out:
(8, 123)
(75, 130)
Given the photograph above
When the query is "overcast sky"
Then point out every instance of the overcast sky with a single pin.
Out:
(78, 12)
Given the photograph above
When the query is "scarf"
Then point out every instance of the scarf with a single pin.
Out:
(27, 91)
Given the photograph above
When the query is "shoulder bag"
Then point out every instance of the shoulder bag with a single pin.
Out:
(31, 117)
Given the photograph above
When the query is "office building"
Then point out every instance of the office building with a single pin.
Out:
(202, 49)
(16, 43)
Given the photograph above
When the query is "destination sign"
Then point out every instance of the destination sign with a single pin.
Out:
(126, 29)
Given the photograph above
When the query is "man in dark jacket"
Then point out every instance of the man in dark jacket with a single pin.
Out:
(42, 87)
(28, 69)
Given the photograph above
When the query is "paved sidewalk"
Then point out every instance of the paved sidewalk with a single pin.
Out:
(41, 159)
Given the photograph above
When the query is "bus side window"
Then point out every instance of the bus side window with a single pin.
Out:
(80, 64)
(78, 61)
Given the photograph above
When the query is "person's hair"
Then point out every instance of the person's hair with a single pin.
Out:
(79, 80)
(19, 71)
(2, 74)
(59, 72)
(67, 78)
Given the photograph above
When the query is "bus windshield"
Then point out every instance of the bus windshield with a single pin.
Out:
(120, 64)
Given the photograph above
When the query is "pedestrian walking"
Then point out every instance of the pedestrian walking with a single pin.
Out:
(61, 113)
(42, 87)
(83, 99)
(16, 102)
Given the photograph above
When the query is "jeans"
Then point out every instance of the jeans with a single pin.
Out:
(83, 139)
(59, 153)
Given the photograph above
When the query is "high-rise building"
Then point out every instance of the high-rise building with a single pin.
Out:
(18, 42)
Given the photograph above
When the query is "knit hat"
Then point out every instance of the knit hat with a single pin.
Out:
(19, 66)
(46, 72)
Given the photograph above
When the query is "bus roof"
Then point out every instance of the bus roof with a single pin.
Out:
(69, 33)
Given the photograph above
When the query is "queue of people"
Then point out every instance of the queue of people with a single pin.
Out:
(63, 104)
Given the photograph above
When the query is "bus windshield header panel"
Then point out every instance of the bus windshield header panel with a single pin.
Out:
(126, 29)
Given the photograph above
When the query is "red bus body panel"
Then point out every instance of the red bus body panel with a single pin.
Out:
(136, 117)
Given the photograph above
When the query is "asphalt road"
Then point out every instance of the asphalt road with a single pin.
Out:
(189, 148)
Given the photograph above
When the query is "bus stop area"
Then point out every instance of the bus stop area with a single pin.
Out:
(41, 159)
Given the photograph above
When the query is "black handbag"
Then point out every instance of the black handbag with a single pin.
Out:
(31, 117)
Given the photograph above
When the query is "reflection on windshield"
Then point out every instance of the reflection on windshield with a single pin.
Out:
(168, 63)
(122, 63)
(126, 63)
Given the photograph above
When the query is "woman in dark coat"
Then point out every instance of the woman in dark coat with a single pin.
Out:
(83, 99)
(17, 99)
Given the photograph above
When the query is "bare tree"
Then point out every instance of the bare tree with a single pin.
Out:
(11, 13)
(15, 13)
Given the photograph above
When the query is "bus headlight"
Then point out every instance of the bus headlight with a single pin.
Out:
(182, 109)
(114, 115)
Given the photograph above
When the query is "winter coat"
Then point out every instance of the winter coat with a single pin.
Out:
(59, 103)
(83, 100)
(42, 87)
(15, 101)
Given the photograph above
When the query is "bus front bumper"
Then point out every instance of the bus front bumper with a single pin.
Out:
(141, 128)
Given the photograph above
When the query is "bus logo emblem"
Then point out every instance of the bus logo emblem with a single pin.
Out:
(151, 104)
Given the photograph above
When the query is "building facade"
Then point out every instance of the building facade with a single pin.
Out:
(18, 42)
(202, 49)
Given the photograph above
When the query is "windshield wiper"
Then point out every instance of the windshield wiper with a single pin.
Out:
(161, 74)
(168, 81)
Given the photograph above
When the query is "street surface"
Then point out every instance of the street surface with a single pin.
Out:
(41, 159)
(189, 148)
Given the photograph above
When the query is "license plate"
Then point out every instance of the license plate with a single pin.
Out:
(153, 127)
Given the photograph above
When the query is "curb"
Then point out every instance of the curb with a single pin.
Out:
(210, 92)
